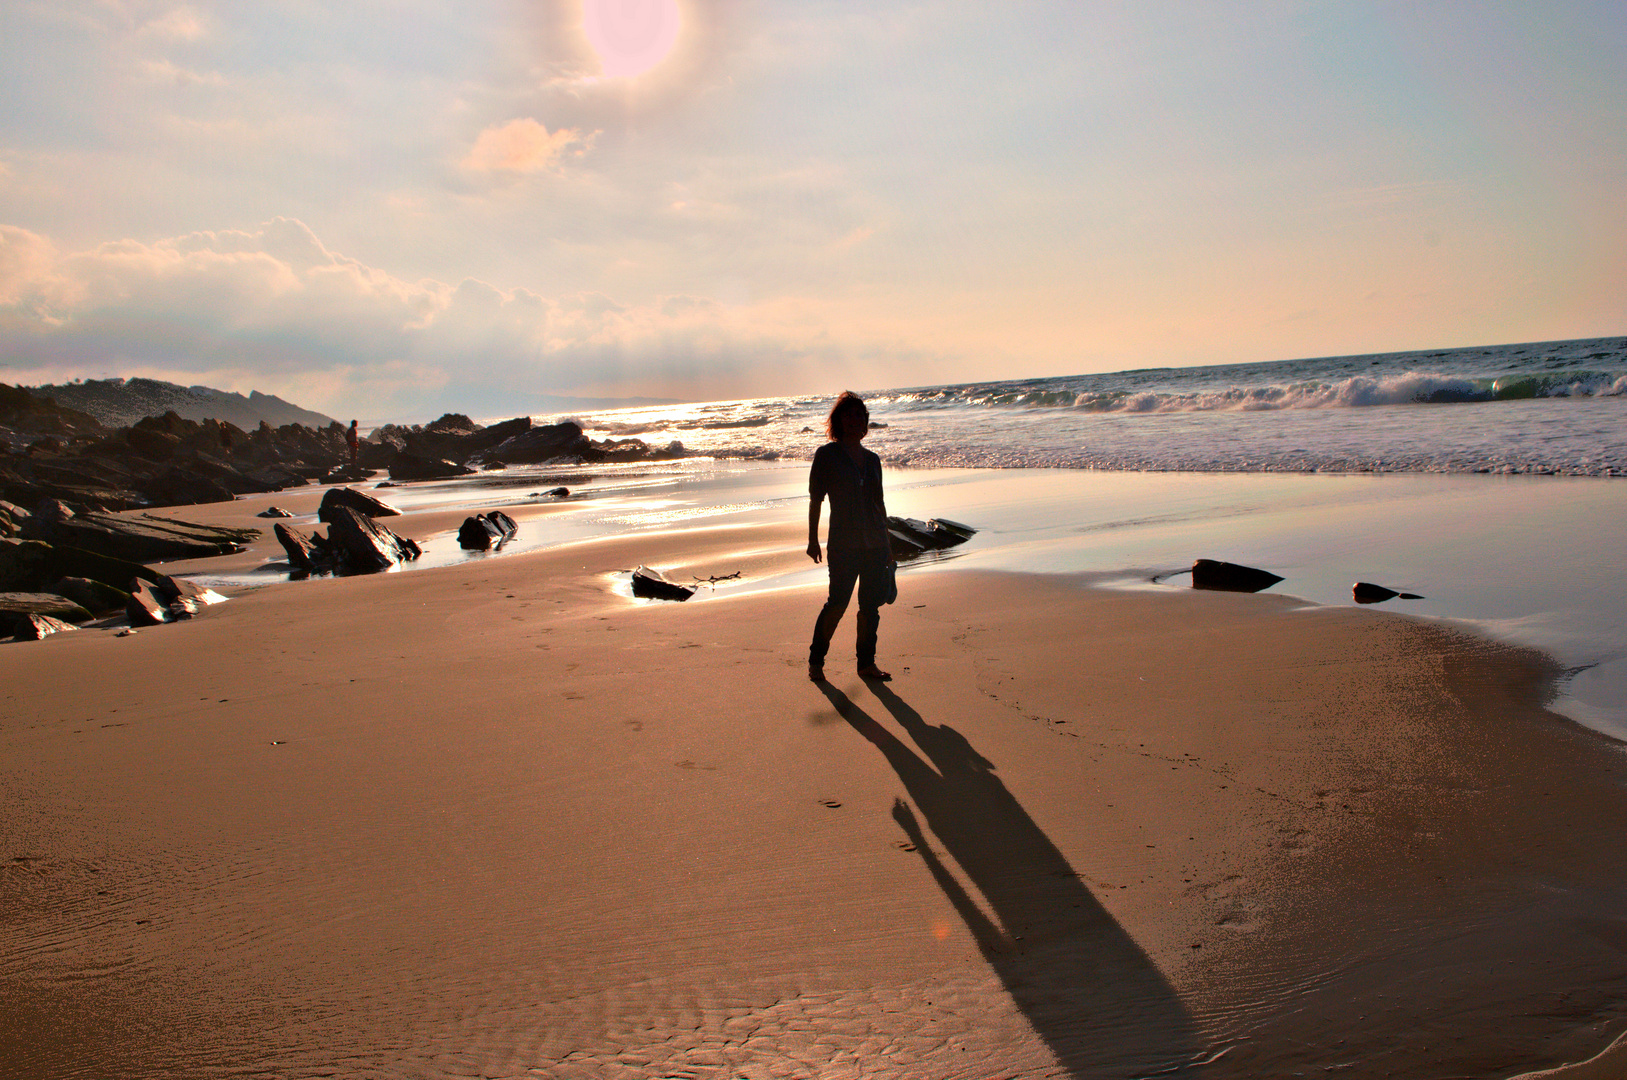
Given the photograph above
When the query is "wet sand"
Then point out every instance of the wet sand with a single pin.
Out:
(496, 819)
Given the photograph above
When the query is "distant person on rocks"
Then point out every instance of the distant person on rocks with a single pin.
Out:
(857, 544)
(353, 441)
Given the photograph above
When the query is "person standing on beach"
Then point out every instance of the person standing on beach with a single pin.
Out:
(352, 440)
(857, 545)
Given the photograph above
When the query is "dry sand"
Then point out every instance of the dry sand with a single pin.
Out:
(497, 820)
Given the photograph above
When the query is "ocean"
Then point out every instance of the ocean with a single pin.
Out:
(1546, 408)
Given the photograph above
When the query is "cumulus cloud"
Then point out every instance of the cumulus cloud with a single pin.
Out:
(523, 146)
(274, 309)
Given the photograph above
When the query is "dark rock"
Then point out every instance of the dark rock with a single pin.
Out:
(910, 537)
(147, 606)
(359, 501)
(412, 467)
(152, 444)
(275, 512)
(485, 531)
(39, 627)
(651, 585)
(185, 590)
(1230, 577)
(557, 493)
(185, 487)
(94, 596)
(1365, 592)
(361, 545)
(30, 565)
(14, 606)
(147, 538)
(302, 555)
(47, 516)
(544, 443)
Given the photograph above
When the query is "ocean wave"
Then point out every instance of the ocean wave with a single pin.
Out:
(1359, 391)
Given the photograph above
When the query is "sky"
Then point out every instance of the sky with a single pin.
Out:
(397, 208)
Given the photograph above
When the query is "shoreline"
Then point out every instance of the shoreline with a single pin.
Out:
(497, 816)
(1526, 560)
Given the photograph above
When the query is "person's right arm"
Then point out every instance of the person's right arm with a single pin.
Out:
(814, 503)
(816, 499)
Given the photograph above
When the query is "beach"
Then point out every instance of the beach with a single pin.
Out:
(497, 818)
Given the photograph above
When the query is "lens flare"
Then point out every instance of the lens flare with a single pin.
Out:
(630, 36)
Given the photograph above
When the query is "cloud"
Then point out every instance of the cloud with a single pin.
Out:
(177, 24)
(168, 73)
(274, 309)
(523, 146)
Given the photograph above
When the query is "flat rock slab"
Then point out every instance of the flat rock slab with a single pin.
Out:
(32, 565)
(147, 538)
(17, 607)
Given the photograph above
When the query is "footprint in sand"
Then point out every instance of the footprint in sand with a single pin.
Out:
(830, 803)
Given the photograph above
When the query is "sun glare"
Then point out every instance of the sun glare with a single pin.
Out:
(630, 36)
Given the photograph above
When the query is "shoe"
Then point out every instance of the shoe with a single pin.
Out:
(875, 674)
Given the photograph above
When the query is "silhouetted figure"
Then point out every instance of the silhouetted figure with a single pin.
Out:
(353, 441)
(859, 551)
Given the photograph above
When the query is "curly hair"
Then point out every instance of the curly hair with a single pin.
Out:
(848, 404)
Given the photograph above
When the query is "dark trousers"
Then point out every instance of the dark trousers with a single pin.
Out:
(867, 567)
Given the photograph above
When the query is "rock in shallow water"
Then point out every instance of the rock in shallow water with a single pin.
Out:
(1230, 577)
(362, 545)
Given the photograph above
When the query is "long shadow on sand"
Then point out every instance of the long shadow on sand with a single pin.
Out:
(1089, 991)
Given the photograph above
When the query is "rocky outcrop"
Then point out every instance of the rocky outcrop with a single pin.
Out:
(33, 565)
(407, 467)
(303, 554)
(161, 460)
(96, 597)
(1230, 577)
(169, 599)
(147, 538)
(15, 606)
(360, 545)
(359, 501)
(484, 532)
